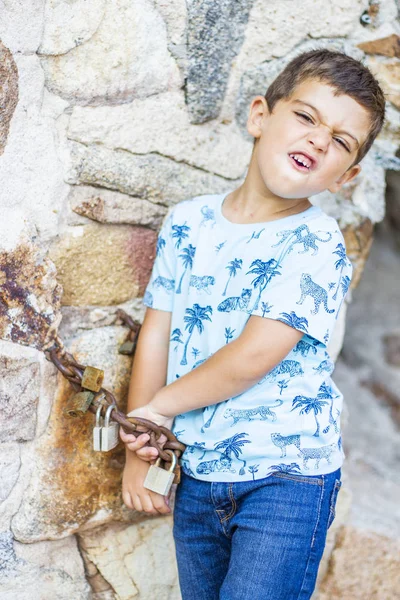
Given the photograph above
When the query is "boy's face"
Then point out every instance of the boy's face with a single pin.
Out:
(326, 137)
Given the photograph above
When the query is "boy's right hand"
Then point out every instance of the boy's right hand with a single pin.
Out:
(134, 495)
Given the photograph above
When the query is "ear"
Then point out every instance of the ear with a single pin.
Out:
(345, 178)
(258, 110)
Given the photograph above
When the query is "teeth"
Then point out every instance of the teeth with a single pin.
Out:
(304, 161)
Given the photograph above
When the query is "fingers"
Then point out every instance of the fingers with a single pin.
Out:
(132, 442)
(126, 497)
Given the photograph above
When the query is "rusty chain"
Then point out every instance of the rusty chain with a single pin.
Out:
(74, 372)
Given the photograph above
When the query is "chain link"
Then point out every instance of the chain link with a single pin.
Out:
(73, 372)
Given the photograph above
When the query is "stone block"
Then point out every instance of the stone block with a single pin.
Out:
(141, 127)
(77, 319)
(215, 35)
(126, 57)
(123, 555)
(358, 241)
(71, 486)
(32, 186)
(363, 565)
(152, 177)
(8, 92)
(104, 264)
(67, 25)
(9, 468)
(30, 296)
(388, 75)
(41, 571)
(387, 46)
(19, 392)
(21, 25)
(106, 206)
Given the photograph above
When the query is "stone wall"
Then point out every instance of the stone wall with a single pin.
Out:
(111, 113)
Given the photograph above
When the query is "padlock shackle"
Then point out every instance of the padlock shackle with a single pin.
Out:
(98, 414)
(108, 414)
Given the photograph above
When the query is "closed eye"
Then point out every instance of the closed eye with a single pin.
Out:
(342, 143)
(306, 117)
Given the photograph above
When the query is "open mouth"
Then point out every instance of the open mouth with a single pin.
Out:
(301, 163)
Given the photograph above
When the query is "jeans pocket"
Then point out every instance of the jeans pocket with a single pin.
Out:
(332, 508)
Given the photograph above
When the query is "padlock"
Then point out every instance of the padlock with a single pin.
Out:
(78, 404)
(109, 432)
(97, 429)
(92, 379)
(127, 347)
(177, 478)
(159, 480)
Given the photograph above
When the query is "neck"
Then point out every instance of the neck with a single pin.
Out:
(252, 202)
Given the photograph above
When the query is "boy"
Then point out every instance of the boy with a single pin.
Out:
(244, 295)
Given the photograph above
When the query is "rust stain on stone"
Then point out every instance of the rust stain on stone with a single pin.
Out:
(141, 249)
(93, 208)
(358, 245)
(29, 296)
(387, 46)
(77, 481)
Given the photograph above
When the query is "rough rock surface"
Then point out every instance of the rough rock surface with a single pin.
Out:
(71, 486)
(363, 565)
(19, 393)
(67, 25)
(41, 571)
(140, 127)
(149, 176)
(215, 35)
(125, 58)
(29, 296)
(85, 254)
(8, 92)
(388, 74)
(135, 560)
(106, 206)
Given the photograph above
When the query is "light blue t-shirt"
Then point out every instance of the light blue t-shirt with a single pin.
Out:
(212, 274)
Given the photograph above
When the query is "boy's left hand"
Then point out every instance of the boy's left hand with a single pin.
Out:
(138, 444)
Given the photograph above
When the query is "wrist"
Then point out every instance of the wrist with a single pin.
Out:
(158, 406)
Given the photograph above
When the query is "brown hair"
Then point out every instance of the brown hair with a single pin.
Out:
(344, 73)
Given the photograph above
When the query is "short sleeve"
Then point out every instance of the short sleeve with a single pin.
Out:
(159, 292)
(307, 287)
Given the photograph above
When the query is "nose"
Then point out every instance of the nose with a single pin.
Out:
(320, 138)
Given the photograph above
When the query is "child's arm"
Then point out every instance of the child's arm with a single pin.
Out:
(149, 373)
(234, 368)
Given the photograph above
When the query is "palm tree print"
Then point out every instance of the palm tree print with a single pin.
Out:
(176, 337)
(180, 232)
(282, 385)
(229, 334)
(195, 353)
(340, 264)
(264, 271)
(233, 267)
(266, 308)
(307, 405)
(253, 469)
(283, 468)
(187, 257)
(233, 445)
(194, 318)
(325, 391)
(294, 321)
(160, 245)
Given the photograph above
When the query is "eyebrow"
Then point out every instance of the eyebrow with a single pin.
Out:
(319, 115)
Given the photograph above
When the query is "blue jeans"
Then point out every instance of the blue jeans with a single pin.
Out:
(252, 540)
